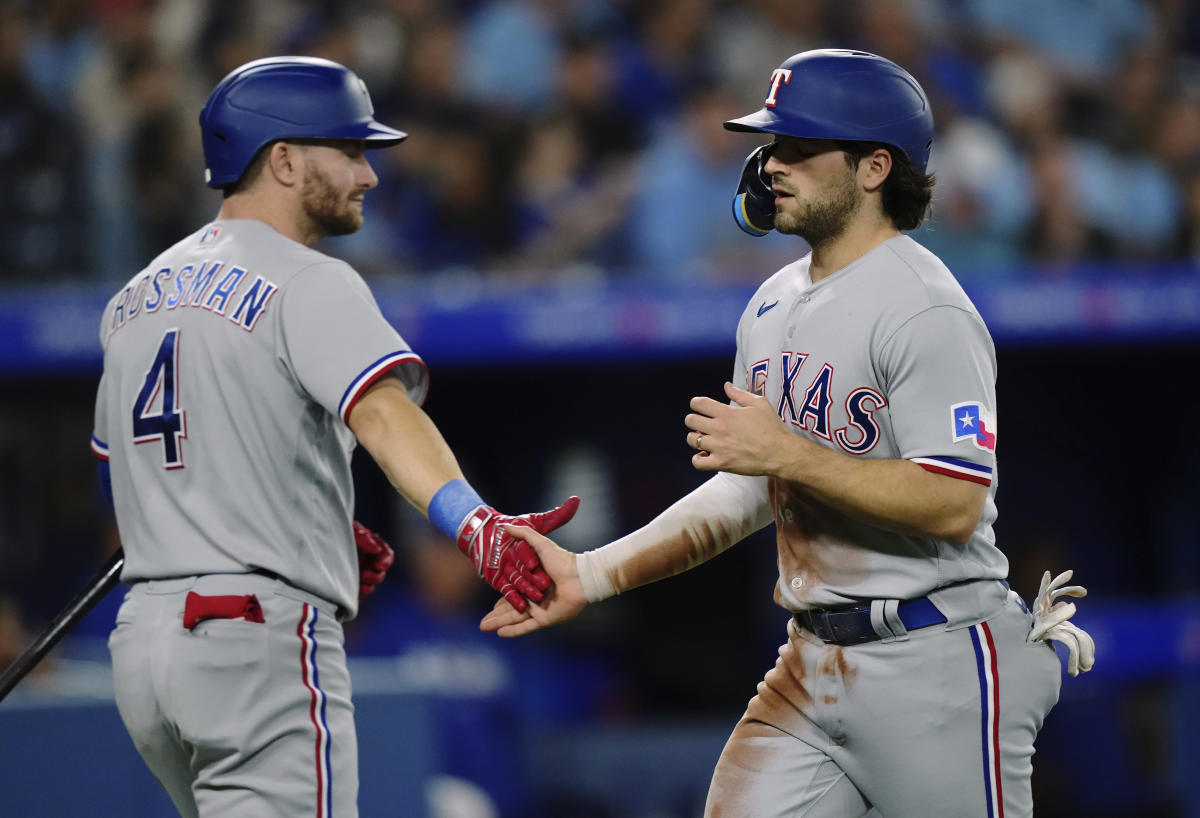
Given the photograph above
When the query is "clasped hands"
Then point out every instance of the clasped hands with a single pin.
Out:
(740, 437)
(505, 560)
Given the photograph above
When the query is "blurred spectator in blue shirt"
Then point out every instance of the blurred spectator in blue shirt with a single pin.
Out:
(61, 41)
(1129, 199)
(661, 55)
(456, 209)
(511, 54)
(1083, 37)
(680, 226)
(143, 153)
(578, 168)
(754, 34)
(570, 209)
(981, 203)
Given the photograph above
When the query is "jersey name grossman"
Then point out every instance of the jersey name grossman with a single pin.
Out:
(225, 290)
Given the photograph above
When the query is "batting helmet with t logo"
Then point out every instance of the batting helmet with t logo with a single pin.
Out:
(835, 94)
(284, 98)
(845, 95)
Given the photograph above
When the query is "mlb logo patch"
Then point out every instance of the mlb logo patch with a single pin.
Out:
(210, 235)
(971, 421)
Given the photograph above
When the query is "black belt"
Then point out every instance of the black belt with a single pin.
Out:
(852, 626)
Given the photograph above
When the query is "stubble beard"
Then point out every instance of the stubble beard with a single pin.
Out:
(330, 213)
(820, 221)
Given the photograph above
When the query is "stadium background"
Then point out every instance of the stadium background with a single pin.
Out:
(558, 223)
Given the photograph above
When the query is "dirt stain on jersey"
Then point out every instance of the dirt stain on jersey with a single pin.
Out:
(815, 542)
(784, 698)
(835, 665)
(748, 750)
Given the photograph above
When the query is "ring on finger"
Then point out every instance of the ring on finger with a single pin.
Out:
(699, 445)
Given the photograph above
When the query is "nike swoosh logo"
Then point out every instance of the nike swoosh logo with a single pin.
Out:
(765, 306)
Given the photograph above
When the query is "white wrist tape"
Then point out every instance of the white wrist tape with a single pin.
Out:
(592, 577)
(722, 511)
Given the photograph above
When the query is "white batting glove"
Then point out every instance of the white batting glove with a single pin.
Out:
(1050, 622)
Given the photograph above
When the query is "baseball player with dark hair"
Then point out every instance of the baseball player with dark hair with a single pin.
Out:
(240, 368)
(863, 425)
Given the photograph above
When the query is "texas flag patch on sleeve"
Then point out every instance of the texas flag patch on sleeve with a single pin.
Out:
(968, 421)
(971, 421)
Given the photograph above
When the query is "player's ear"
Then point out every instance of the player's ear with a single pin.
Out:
(873, 169)
(284, 163)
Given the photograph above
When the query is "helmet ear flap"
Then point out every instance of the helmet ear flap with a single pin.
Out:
(754, 202)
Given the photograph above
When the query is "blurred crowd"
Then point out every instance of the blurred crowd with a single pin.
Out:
(564, 138)
(550, 137)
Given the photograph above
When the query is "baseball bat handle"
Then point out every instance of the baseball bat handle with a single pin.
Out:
(96, 589)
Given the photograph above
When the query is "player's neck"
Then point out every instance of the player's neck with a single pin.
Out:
(280, 216)
(860, 237)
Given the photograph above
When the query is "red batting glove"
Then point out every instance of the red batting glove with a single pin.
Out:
(508, 564)
(375, 557)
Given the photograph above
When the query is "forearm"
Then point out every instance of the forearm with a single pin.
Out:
(722, 511)
(898, 495)
(418, 462)
(404, 441)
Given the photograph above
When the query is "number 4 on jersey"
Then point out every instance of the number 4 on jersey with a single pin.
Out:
(155, 420)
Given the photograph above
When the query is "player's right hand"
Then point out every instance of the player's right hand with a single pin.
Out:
(507, 562)
(564, 600)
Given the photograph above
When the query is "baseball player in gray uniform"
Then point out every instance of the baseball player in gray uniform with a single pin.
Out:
(862, 422)
(240, 368)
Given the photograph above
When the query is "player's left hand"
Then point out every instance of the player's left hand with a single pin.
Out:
(745, 437)
(1050, 622)
(375, 557)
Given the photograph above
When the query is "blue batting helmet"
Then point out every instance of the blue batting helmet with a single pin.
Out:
(284, 98)
(845, 95)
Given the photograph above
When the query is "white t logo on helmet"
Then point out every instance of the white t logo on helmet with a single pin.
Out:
(778, 76)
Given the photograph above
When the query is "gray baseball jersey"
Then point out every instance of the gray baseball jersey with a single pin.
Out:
(230, 366)
(886, 358)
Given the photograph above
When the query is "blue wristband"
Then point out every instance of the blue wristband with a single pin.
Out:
(452, 504)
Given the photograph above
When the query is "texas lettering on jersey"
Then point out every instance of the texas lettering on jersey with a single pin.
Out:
(811, 411)
(208, 285)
